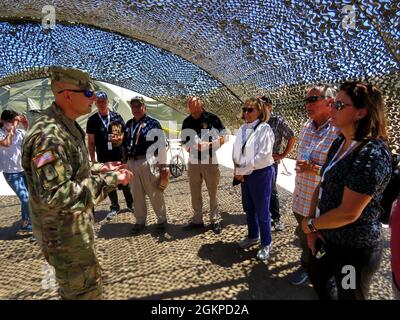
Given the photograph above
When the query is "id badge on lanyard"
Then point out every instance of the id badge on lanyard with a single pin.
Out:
(330, 166)
(109, 136)
(135, 133)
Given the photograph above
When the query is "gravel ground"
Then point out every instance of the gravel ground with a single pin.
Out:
(174, 264)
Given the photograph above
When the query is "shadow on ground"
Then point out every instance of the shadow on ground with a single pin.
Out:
(173, 264)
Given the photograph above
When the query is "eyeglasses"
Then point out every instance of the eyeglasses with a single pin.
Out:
(339, 105)
(313, 99)
(87, 93)
(249, 110)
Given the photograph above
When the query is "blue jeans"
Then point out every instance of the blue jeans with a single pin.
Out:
(256, 194)
(17, 182)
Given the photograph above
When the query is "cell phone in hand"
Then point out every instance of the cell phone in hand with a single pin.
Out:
(319, 249)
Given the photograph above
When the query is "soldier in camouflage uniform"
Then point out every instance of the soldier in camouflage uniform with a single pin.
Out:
(64, 187)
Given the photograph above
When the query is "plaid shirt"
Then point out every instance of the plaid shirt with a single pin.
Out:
(281, 130)
(314, 145)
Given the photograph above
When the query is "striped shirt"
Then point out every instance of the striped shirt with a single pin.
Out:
(314, 144)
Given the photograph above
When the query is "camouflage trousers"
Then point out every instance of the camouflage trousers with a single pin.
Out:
(74, 260)
(77, 273)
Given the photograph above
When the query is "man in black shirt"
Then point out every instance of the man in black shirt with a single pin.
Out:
(105, 133)
(202, 135)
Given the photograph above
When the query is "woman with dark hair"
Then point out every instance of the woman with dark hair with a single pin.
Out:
(344, 229)
(10, 162)
(254, 168)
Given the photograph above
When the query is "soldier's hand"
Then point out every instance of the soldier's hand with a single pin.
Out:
(124, 176)
(113, 166)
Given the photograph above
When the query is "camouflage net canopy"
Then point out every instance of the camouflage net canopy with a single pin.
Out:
(223, 51)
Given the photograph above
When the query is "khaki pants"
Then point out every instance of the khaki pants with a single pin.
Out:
(210, 174)
(142, 184)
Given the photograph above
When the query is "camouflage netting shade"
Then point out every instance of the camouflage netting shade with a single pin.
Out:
(223, 51)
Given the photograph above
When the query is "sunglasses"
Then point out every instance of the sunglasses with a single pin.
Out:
(313, 99)
(86, 93)
(249, 110)
(339, 105)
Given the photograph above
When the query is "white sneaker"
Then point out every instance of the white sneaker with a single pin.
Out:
(264, 252)
(245, 243)
(111, 215)
(278, 225)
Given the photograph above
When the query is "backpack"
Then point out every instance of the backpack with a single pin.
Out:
(391, 191)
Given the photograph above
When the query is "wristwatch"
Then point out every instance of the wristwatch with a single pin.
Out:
(311, 226)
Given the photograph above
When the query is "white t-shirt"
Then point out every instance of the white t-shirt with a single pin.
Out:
(10, 157)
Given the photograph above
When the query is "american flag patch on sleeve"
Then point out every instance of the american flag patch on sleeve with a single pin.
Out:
(43, 159)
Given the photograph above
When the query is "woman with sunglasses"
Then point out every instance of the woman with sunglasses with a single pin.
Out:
(346, 221)
(254, 168)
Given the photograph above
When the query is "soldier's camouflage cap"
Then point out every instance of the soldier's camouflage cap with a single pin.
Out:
(77, 77)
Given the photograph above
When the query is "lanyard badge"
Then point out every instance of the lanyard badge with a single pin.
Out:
(106, 124)
(331, 164)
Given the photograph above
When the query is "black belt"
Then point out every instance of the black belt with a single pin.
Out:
(137, 157)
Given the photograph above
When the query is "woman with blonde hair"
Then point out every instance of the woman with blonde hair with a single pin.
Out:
(254, 169)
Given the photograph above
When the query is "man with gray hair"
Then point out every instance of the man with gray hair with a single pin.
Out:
(316, 137)
(202, 134)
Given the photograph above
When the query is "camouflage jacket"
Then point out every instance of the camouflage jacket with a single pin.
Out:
(63, 187)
